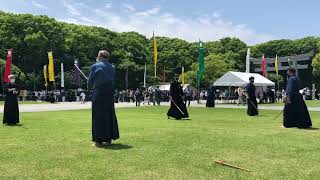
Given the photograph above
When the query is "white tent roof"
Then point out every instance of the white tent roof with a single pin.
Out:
(242, 79)
(166, 87)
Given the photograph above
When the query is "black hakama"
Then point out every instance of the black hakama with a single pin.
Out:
(252, 100)
(296, 113)
(104, 120)
(176, 94)
(211, 97)
(11, 108)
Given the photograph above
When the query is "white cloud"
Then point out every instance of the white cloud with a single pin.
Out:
(85, 19)
(153, 11)
(38, 5)
(71, 8)
(128, 7)
(108, 5)
(149, 12)
(69, 20)
(208, 27)
(216, 15)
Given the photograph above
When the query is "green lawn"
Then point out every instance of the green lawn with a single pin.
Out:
(309, 103)
(56, 145)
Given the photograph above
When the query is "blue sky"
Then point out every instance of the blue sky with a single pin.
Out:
(253, 21)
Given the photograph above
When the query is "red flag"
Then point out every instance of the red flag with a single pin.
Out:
(7, 70)
(164, 74)
(263, 66)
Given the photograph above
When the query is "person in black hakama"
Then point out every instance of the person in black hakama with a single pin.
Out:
(251, 98)
(176, 94)
(158, 95)
(211, 97)
(11, 107)
(295, 113)
(104, 120)
(138, 97)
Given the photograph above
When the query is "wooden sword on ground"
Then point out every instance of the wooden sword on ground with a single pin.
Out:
(278, 115)
(221, 162)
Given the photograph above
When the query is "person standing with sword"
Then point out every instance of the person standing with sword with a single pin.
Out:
(251, 98)
(177, 109)
(104, 119)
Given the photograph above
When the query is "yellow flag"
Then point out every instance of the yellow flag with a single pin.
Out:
(155, 56)
(182, 77)
(45, 75)
(51, 67)
(276, 66)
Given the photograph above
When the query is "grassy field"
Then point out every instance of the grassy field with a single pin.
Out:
(309, 103)
(56, 145)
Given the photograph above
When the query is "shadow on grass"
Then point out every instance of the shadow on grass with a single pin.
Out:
(172, 119)
(310, 129)
(182, 119)
(117, 146)
(15, 125)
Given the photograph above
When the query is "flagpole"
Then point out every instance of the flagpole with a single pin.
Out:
(198, 90)
(164, 74)
(198, 79)
(126, 78)
(34, 78)
(2, 71)
(276, 64)
(145, 74)
(182, 77)
(154, 64)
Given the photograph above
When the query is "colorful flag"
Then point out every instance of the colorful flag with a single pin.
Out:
(201, 62)
(7, 70)
(145, 75)
(276, 65)
(51, 67)
(155, 56)
(248, 61)
(45, 75)
(182, 76)
(62, 76)
(263, 66)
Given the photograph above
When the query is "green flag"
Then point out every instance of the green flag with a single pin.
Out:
(201, 61)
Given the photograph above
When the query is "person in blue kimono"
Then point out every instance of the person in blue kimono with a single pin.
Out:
(104, 120)
(295, 113)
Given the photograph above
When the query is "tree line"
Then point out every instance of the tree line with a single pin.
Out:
(31, 37)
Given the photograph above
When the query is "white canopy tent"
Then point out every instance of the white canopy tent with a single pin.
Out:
(237, 79)
(166, 87)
